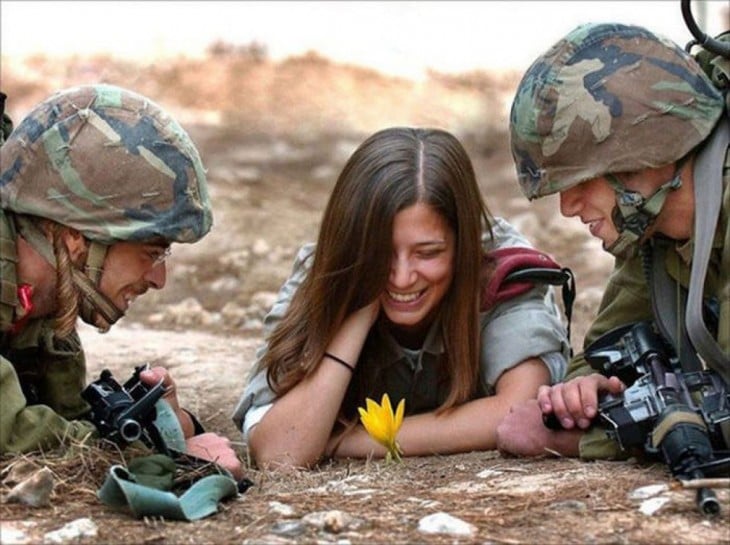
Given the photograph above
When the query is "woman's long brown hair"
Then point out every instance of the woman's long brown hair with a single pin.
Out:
(390, 171)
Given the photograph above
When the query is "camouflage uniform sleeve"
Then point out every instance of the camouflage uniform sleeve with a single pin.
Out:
(26, 428)
(625, 300)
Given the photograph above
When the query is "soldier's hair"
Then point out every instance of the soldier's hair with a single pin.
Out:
(67, 296)
(390, 171)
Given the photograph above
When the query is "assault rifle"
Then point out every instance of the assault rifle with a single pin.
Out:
(671, 414)
(125, 413)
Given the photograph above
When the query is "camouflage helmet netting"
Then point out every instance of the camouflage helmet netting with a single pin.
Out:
(109, 163)
(607, 98)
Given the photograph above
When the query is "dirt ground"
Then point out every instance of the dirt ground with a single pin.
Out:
(273, 137)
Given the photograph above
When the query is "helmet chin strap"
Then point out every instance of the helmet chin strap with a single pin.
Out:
(95, 308)
(634, 213)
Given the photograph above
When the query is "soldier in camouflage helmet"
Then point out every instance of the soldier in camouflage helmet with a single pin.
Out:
(615, 118)
(96, 183)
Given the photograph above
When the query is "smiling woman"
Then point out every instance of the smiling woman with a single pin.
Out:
(392, 288)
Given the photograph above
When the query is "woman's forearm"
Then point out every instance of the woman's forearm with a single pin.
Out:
(468, 427)
(295, 431)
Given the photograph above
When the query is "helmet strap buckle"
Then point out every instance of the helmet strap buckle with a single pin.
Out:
(634, 213)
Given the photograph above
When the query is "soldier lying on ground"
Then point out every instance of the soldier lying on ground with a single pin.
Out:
(96, 183)
(619, 122)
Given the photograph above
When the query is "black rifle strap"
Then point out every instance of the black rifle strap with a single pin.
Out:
(668, 301)
(708, 172)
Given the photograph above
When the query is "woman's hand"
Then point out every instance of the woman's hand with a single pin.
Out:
(296, 430)
(368, 313)
(523, 433)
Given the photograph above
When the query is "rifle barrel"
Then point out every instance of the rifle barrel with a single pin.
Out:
(707, 501)
(719, 482)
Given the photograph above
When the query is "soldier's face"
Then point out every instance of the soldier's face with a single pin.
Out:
(130, 269)
(593, 202)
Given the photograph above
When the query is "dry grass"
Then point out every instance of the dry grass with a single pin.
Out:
(508, 500)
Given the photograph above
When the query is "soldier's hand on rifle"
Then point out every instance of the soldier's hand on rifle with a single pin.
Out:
(153, 376)
(522, 433)
(215, 448)
(575, 402)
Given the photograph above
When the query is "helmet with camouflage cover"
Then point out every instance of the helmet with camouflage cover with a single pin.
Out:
(607, 98)
(112, 165)
(109, 163)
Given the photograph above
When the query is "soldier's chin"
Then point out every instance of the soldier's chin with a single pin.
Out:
(99, 322)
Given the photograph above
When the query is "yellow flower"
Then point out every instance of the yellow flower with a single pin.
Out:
(382, 425)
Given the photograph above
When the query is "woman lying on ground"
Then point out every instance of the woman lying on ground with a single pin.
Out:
(388, 301)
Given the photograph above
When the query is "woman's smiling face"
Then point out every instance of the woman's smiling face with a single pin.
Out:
(421, 269)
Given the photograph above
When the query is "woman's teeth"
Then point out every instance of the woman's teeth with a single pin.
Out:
(405, 297)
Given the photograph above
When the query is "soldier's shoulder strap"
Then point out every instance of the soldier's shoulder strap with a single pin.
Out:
(708, 181)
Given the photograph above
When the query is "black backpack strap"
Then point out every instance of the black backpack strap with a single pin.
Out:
(668, 301)
(515, 270)
(563, 277)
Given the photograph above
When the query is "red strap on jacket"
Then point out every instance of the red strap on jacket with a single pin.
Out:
(25, 298)
(497, 264)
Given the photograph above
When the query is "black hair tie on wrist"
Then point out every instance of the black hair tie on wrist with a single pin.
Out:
(340, 361)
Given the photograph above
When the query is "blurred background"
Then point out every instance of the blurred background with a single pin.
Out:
(398, 38)
(244, 61)
(278, 94)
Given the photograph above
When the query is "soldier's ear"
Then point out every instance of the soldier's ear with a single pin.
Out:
(76, 243)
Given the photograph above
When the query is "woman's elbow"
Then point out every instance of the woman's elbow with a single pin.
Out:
(523, 381)
(268, 455)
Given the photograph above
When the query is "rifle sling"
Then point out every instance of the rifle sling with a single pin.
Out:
(668, 301)
(708, 171)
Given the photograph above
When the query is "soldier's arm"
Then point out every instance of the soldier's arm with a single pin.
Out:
(26, 428)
